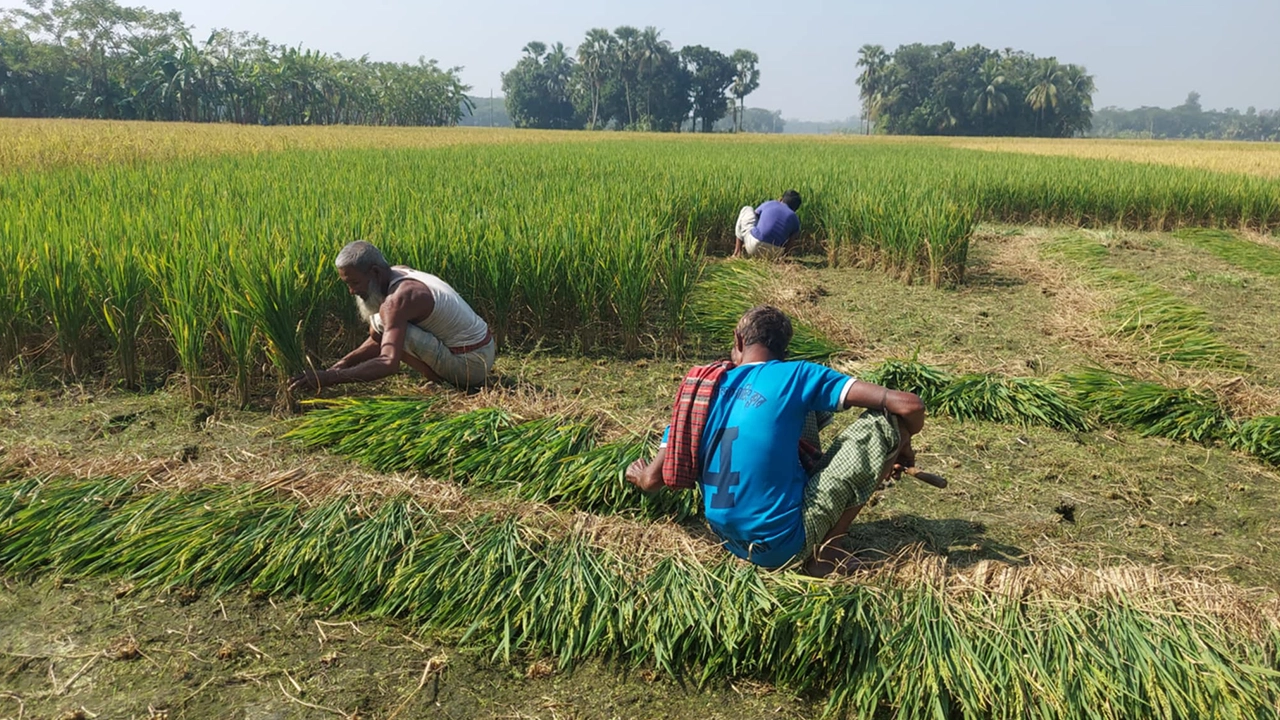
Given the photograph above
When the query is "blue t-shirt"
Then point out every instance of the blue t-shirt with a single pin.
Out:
(776, 223)
(752, 480)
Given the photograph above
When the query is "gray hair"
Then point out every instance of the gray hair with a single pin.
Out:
(362, 257)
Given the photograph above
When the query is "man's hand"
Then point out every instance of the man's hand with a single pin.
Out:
(906, 458)
(312, 380)
(647, 475)
(635, 472)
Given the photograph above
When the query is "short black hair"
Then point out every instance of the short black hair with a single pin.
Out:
(768, 326)
(791, 199)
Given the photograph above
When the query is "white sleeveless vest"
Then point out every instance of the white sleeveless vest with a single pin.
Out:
(452, 321)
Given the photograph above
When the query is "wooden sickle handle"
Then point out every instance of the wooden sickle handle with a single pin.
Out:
(935, 480)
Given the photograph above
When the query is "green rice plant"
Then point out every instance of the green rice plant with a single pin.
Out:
(365, 558)
(183, 289)
(587, 587)
(630, 279)
(594, 480)
(909, 229)
(948, 225)
(15, 269)
(399, 434)
(15, 491)
(38, 514)
(59, 279)
(218, 541)
(470, 578)
(353, 424)
(235, 335)
(680, 265)
(590, 288)
(1173, 331)
(883, 646)
(552, 459)
(1151, 409)
(1259, 437)
(299, 561)
(1024, 401)
(542, 238)
(120, 286)
(448, 439)
(276, 293)
(527, 452)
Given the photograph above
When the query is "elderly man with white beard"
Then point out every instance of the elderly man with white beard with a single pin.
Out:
(413, 317)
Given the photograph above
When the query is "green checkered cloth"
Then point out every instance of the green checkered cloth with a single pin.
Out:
(848, 472)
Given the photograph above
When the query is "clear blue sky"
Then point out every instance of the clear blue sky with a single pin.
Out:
(1141, 52)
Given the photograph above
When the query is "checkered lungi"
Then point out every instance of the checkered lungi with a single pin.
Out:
(847, 473)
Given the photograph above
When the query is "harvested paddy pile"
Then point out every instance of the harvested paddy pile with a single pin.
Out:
(915, 641)
(1167, 328)
(731, 288)
(553, 459)
(1083, 399)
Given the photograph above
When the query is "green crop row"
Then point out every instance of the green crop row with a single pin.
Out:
(881, 648)
(215, 266)
(559, 460)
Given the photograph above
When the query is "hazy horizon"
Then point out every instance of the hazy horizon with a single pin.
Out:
(1141, 53)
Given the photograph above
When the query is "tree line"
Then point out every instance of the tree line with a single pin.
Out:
(629, 79)
(1187, 121)
(944, 90)
(98, 59)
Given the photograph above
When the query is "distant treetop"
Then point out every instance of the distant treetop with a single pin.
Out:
(944, 90)
(630, 79)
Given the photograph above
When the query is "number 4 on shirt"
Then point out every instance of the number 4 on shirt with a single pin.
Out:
(723, 479)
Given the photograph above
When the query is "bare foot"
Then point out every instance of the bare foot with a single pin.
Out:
(831, 559)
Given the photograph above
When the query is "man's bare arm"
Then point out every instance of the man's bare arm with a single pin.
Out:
(368, 350)
(410, 300)
(906, 405)
(387, 362)
(648, 476)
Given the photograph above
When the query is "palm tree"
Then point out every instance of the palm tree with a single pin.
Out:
(651, 52)
(593, 57)
(1079, 82)
(559, 68)
(746, 78)
(535, 49)
(873, 60)
(991, 100)
(1044, 88)
(627, 52)
(1079, 88)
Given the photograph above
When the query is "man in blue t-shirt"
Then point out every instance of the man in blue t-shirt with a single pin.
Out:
(765, 230)
(758, 496)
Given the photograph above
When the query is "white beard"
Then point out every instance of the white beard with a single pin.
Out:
(369, 306)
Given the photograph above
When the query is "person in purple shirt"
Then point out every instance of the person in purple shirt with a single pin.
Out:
(765, 230)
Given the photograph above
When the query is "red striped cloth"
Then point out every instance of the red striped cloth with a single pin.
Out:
(680, 469)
